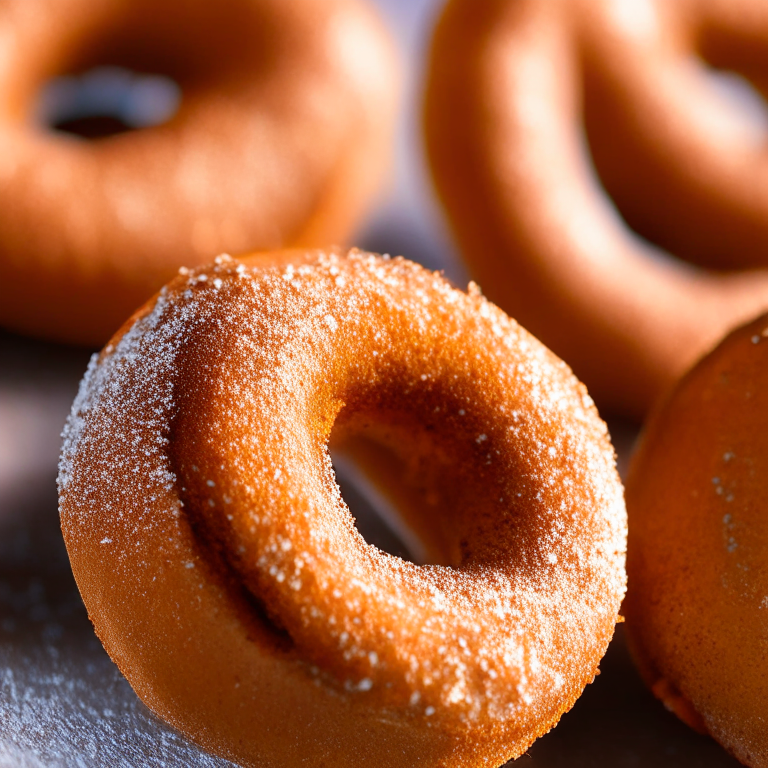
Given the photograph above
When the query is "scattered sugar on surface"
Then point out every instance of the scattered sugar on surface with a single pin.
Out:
(724, 488)
(468, 644)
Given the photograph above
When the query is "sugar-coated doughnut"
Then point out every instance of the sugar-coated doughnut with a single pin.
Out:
(697, 605)
(224, 573)
(281, 138)
(512, 88)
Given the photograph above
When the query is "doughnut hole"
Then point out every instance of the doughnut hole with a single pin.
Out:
(735, 105)
(676, 128)
(105, 101)
(416, 468)
(377, 518)
(126, 66)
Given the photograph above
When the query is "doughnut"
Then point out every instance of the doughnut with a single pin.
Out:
(512, 89)
(224, 573)
(697, 604)
(282, 138)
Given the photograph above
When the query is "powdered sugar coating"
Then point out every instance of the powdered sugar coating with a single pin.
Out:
(512, 468)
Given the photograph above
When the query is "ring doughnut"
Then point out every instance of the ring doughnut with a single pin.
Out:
(224, 574)
(697, 605)
(513, 86)
(282, 138)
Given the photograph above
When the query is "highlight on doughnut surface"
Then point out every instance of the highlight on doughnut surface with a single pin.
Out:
(255, 124)
(697, 605)
(513, 90)
(224, 573)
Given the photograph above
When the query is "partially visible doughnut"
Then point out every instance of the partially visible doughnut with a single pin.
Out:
(697, 605)
(224, 573)
(282, 138)
(512, 87)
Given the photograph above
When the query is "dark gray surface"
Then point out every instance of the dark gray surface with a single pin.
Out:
(62, 701)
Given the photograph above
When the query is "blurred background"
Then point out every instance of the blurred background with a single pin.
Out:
(62, 701)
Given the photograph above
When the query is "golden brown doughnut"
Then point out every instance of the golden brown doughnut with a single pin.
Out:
(697, 605)
(282, 138)
(512, 87)
(224, 573)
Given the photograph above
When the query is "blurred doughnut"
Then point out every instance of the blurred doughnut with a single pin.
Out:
(281, 137)
(697, 605)
(223, 571)
(512, 85)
